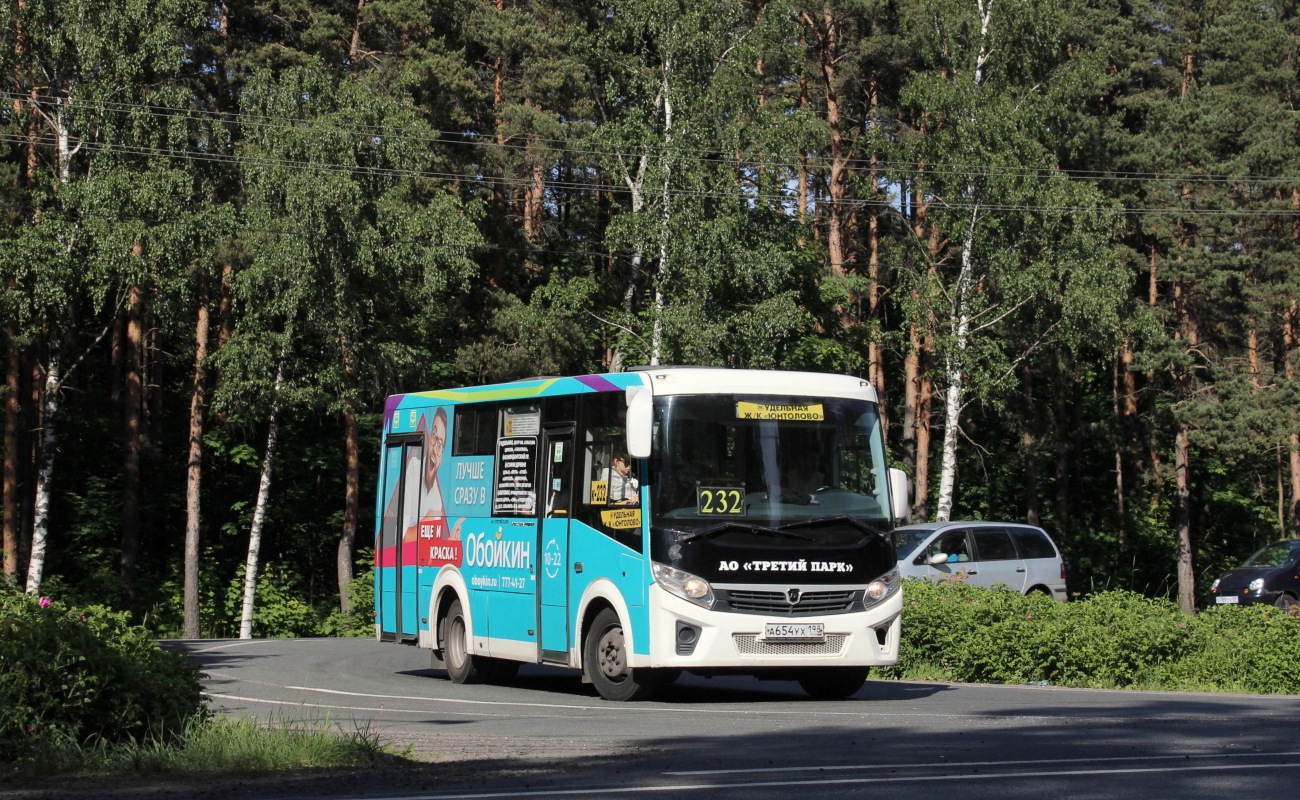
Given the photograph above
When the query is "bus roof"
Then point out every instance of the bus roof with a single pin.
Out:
(666, 380)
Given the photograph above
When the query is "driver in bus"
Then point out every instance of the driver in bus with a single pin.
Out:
(803, 476)
(623, 487)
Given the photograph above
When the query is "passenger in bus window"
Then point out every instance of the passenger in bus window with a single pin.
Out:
(623, 488)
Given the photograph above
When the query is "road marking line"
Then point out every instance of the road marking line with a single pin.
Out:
(644, 709)
(303, 704)
(609, 791)
(950, 764)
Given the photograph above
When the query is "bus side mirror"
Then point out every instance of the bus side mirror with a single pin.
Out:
(640, 421)
(897, 494)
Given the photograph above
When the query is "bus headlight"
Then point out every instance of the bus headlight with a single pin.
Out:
(881, 587)
(683, 584)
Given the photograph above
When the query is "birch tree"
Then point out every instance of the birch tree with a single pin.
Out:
(346, 241)
(61, 86)
(1015, 227)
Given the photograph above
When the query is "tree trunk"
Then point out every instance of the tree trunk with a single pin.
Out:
(924, 403)
(911, 388)
(1126, 433)
(351, 504)
(44, 475)
(826, 34)
(1064, 406)
(635, 185)
(259, 509)
(1290, 342)
(665, 216)
(1188, 337)
(194, 468)
(954, 369)
(919, 384)
(801, 213)
(1118, 371)
(133, 400)
(354, 44)
(534, 200)
(12, 386)
(1029, 445)
(351, 478)
(1182, 523)
(875, 303)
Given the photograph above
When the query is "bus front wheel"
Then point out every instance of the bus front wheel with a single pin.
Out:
(453, 641)
(604, 661)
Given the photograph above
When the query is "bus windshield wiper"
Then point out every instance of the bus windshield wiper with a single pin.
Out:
(757, 530)
(852, 522)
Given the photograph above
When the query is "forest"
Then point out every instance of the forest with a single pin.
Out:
(1059, 237)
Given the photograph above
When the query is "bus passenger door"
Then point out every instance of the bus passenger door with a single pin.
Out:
(553, 544)
(397, 546)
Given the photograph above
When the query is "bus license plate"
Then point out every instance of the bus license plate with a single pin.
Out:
(794, 631)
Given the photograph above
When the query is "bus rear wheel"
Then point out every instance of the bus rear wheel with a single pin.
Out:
(604, 662)
(833, 683)
(454, 642)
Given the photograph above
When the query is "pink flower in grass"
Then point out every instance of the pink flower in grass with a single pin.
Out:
(44, 602)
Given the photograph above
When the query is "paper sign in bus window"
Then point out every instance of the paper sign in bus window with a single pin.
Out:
(799, 412)
(622, 518)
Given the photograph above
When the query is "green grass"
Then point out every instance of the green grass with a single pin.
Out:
(215, 746)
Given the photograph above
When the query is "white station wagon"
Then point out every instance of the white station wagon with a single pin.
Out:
(1021, 557)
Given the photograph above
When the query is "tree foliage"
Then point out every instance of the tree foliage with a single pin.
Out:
(1060, 238)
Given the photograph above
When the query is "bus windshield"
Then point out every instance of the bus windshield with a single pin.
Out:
(766, 462)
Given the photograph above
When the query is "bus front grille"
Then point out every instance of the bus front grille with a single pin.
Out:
(748, 644)
(778, 603)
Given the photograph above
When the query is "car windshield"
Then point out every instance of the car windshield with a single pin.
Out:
(906, 541)
(768, 461)
(1278, 554)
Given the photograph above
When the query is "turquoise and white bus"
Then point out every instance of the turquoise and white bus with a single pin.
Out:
(637, 524)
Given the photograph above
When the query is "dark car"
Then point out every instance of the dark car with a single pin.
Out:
(1271, 575)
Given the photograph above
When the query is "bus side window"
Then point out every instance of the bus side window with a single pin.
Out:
(603, 434)
(599, 459)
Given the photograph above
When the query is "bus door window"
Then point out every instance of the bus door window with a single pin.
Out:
(397, 545)
(558, 481)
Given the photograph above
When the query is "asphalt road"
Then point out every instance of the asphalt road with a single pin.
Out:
(549, 736)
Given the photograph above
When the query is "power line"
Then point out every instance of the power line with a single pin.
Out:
(748, 198)
(596, 251)
(564, 147)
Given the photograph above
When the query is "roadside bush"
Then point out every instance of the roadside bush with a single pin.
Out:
(1252, 649)
(953, 631)
(360, 620)
(85, 675)
(281, 609)
(1114, 639)
(1117, 639)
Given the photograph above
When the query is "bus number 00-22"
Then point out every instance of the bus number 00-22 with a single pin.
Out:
(722, 500)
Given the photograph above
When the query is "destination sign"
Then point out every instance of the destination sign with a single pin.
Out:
(802, 412)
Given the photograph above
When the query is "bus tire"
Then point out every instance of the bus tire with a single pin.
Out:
(454, 642)
(833, 683)
(604, 661)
